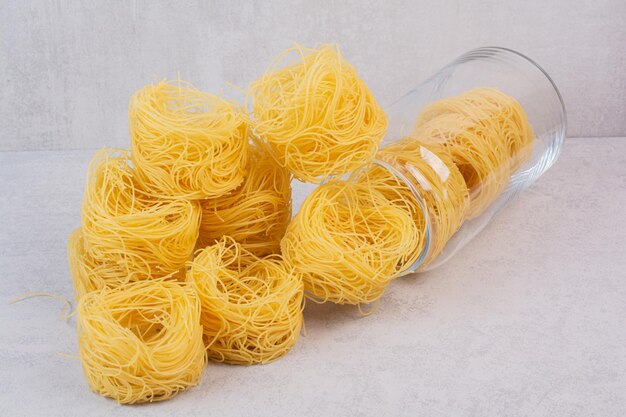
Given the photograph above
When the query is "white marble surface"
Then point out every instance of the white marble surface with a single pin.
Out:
(69, 67)
(528, 320)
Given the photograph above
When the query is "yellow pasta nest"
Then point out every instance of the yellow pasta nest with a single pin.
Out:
(487, 135)
(348, 242)
(251, 307)
(127, 233)
(437, 183)
(257, 213)
(185, 142)
(319, 118)
(142, 342)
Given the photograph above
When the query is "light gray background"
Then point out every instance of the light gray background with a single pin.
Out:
(69, 67)
(527, 320)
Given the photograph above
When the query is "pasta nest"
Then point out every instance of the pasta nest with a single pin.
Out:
(487, 135)
(142, 342)
(127, 235)
(349, 241)
(422, 180)
(187, 143)
(317, 115)
(251, 307)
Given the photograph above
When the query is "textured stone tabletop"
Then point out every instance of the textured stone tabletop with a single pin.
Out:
(529, 319)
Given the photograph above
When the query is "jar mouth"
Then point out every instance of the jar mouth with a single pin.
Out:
(427, 227)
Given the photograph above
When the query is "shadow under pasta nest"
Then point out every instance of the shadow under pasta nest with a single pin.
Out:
(331, 316)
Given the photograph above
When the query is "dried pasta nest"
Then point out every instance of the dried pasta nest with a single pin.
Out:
(317, 115)
(487, 135)
(142, 342)
(433, 179)
(349, 241)
(126, 234)
(185, 142)
(251, 307)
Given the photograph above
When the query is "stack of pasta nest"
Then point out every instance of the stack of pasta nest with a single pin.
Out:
(187, 251)
(177, 259)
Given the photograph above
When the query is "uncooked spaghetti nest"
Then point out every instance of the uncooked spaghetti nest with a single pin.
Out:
(348, 242)
(251, 307)
(317, 115)
(185, 142)
(141, 342)
(255, 214)
(126, 234)
(487, 135)
(433, 178)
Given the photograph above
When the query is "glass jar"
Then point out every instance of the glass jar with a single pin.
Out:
(478, 131)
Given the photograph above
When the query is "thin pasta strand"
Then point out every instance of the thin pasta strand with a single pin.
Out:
(66, 312)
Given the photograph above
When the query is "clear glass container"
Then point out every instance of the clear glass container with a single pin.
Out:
(508, 72)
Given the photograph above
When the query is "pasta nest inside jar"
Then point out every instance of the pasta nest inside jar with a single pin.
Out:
(434, 179)
(486, 134)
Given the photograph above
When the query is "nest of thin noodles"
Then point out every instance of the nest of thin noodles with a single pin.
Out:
(255, 214)
(487, 135)
(436, 181)
(349, 241)
(318, 116)
(185, 142)
(126, 234)
(141, 343)
(251, 307)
